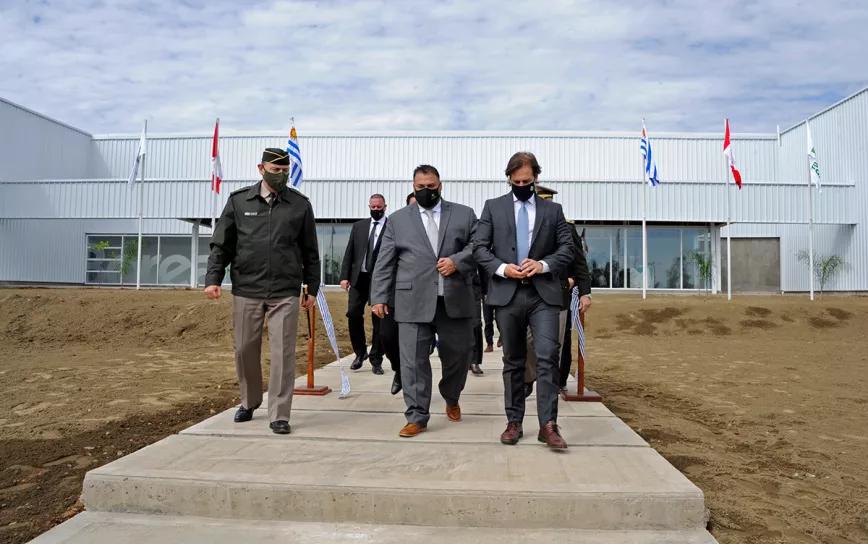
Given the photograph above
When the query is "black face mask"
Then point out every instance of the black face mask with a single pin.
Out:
(523, 192)
(376, 215)
(427, 198)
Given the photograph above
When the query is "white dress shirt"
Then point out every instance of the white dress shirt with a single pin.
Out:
(530, 205)
(436, 209)
(379, 226)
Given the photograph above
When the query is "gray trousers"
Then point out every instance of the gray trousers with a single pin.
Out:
(249, 314)
(455, 342)
(527, 309)
(530, 368)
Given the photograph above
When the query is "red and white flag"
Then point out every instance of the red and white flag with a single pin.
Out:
(727, 151)
(216, 167)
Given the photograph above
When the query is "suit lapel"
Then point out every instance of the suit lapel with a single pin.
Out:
(509, 217)
(445, 213)
(416, 220)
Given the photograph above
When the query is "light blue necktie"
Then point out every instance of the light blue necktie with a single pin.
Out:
(521, 230)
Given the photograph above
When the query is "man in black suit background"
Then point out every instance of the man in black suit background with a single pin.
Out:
(356, 270)
(525, 246)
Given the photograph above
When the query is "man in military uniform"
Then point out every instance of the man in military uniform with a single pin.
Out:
(267, 232)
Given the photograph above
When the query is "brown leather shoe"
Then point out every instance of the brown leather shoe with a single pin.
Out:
(453, 412)
(551, 435)
(412, 429)
(499, 342)
(489, 348)
(512, 433)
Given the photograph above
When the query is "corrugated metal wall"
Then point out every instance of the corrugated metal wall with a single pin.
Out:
(33, 146)
(600, 157)
(35, 250)
(589, 201)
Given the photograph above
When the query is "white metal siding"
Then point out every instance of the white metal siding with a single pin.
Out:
(35, 147)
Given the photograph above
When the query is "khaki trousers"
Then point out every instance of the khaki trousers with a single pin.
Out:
(249, 315)
(530, 365)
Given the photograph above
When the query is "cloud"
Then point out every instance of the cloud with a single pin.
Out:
(452, 65)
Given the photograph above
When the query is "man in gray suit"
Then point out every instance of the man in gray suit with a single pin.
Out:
(525, 246)
(426, 260)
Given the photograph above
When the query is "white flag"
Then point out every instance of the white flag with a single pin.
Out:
(140, 154)
(813, 165)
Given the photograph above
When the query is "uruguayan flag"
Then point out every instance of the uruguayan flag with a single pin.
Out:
(650, 168)
(294, 159)
(577, 320)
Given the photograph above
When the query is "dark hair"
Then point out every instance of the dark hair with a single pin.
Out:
(426, 169)
(411, 195)
(378, 195)
(523, 158)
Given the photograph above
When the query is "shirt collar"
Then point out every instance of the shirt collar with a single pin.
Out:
(530, 201)
(436, 208)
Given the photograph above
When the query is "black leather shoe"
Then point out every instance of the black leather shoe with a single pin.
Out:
(280, 427)
(377, 369)
(528, 389)
(396, 384)
(477, 371)
(244, 414)
(357, 362)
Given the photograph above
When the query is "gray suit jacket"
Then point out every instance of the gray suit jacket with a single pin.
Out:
(407, 266)
(494, 244)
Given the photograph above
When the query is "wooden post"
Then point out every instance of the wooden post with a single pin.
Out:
(583, 394)
(311, 389)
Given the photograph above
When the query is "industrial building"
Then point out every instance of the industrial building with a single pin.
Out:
(69, 216)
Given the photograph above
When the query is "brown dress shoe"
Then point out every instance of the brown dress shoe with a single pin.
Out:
(512, 433)
(489, 348)
(453, 412)
(499, 342)
(551, 435)
(412, 429)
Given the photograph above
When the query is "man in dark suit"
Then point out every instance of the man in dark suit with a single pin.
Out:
(525, 246)
(356, 270)
(424, 277)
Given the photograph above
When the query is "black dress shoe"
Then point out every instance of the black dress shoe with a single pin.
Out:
(377, 369)
(357, 362)
(280, 427)
(244, 414)
(528, 389)
(477, 371)
(396, 384)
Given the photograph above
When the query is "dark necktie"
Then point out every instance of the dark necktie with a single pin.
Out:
(272, 199)
(369, 254)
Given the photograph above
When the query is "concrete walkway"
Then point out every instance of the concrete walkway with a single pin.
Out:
(344, 475)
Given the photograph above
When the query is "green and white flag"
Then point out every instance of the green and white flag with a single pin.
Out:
(812, 160)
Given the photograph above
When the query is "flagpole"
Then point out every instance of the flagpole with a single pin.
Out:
(728, 236)
(644, 241)
(141, 215)
(810, 222)
(213, 191)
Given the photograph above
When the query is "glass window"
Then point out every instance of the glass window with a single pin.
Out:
(633, 265)
(664, 258)
(103, 277)
(333, 240)
(174, 266)
(600, 243)
(104, 259)
(696, 247)
(149, 260)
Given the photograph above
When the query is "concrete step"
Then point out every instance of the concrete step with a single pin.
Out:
(400, 482)
(104, 528)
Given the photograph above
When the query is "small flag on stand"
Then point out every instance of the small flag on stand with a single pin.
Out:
(575, 308)
(295, 179)
(730, 159)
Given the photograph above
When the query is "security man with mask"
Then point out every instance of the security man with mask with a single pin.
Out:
(267, 233)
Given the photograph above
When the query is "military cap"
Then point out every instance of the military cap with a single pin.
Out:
(545, 192)
(275, 155)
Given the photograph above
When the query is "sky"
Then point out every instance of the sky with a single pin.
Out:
(103, 66)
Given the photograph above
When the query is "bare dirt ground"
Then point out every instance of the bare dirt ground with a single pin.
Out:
(761, 402)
